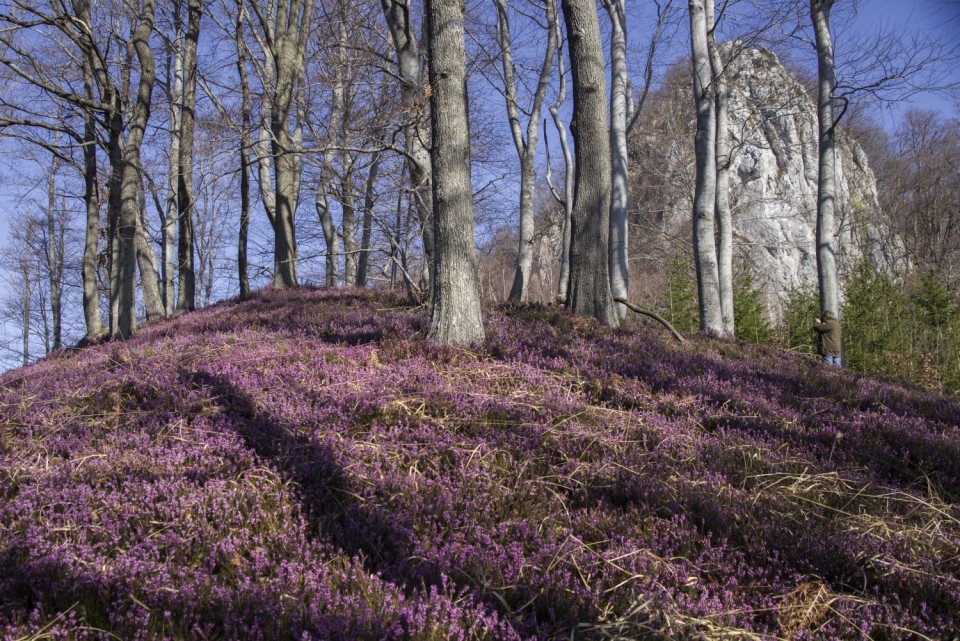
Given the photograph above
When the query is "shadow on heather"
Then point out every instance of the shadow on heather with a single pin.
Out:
(329, 502)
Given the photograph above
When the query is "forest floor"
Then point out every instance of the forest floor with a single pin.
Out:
(305, 465)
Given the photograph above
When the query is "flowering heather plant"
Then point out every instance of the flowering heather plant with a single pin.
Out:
(304, 465)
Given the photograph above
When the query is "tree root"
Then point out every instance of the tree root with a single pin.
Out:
(653, 315)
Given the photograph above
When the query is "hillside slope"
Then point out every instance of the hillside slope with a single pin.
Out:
(304, 466)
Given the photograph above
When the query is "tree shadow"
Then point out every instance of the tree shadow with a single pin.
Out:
(329, 500)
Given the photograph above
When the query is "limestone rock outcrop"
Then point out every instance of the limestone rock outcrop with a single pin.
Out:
(773, 178)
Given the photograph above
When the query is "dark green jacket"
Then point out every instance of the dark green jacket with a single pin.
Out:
(829, 331)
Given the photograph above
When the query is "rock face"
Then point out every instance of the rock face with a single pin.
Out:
(773, 124)
(773, 121)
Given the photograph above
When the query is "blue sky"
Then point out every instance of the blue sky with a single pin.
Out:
(936, 19)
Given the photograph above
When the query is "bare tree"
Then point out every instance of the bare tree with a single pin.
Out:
(623, 116)
(525, 142)
(246, 143)
(827, 166)
(723, 159)
(124, 117)
(186, 269)
(919, 189)
(54, 254)
(589, 293)
(91, 200)
(19, 260)
(369, 199)
(619, 97)
(130, 179)
(566, 199)
(285, 26)
(415, 103)
(173, 89)
(325, 180)
(704, 242)
(456, 290)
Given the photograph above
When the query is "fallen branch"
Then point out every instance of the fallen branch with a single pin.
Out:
(655, 316)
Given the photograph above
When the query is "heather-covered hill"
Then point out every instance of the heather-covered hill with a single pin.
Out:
(304, 466)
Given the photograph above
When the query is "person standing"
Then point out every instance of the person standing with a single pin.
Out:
(828, 330)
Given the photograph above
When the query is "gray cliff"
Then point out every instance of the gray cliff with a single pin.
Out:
(773, 180)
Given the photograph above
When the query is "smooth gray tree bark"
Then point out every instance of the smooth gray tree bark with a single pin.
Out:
(721, 94)
(415, 108)
(55, 248)
(565, 200)
(619, 186)
(704, 200)
(589, 293)
(369, 200)
(91, 199)
(327, 170)
(286, 30)
(186, 264)
(150, 279)
(246, 142)
(456, 318)
(174, 86)
(826, 177)
(130, 178)
(26, 276)
(525, 142)
(348, 220)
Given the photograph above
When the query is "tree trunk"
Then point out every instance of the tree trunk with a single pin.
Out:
(589, 293)
(619, 192)
(27, 293)
(186, 268)
(704, 201)
(418, 158)
(54, 255)
(826, 180)
(289, 56)
(329, 227)
(91, 200)
(566, 201)
(114, 200)
(170, 219)
(322, 199)
(245, 144)
(348, 224)
(286, 26)
(722, 205)
(367, 230)
(130, 179)
(264, 178)
(526, 146)
(147, 263)
(456, 288)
